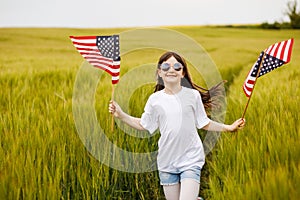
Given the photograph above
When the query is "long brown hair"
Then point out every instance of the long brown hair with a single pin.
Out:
(186, 81)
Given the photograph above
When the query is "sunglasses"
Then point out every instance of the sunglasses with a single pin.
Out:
(166, 66)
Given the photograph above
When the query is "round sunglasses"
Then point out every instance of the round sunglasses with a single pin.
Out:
(166, 66)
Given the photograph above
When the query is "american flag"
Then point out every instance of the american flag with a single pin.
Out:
(274, 56)
(100, 51)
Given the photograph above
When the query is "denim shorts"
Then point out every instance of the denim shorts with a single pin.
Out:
(167, 178)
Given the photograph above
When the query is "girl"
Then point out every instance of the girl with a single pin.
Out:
(177, 108)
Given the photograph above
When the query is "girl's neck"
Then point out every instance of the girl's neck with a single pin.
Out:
(172, 89)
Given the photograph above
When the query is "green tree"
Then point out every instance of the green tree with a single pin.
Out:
(293, 14)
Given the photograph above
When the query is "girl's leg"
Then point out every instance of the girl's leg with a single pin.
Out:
(189, 189)
(172, 191)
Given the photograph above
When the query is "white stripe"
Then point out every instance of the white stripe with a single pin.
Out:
(251, 77)
(267, 51)
(274, 49)
(115, 78)
(87, 52)
(86, 47)
(106, 67)
(109, 62)
(279, 50)
(247, 91)
(249, 85)
(91, 53)
(98, 56)
(286, 50)
(84, 40)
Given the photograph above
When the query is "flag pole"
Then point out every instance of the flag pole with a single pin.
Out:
(263, 57)
(112, 116)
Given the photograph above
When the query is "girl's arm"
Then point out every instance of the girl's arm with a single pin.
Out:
(215, 126)
(116, 110)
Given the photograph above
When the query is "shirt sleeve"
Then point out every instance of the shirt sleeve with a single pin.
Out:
(149, 119)
(201, 117)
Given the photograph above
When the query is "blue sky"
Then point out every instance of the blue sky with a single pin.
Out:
(141, 13)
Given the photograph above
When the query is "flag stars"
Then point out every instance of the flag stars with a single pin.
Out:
(99, 51)
(270, 63)
(109, 46)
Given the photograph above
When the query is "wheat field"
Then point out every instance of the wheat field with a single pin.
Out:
(43, 157)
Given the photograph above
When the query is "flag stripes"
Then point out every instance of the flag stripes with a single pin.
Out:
(273, 57)
(100, 51)
(252, 75)
(281, 50)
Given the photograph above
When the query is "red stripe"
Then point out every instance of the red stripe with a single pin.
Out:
(98, 58)
(115, 66)
(84, 54)
(283, 50)
(246, 93)
(246, 90)
(87, 49)
(96, 63)
(276, 50)
(250, 82)
(114, 81)
(108, 71)
(290, 51)
(271, 50)
(91, 52)
(97, 54)
(99, 62)
(103, 63)
(85, 44)
(83, 37)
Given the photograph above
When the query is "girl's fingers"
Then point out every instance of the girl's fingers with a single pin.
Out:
(241, 123)
(111, 110)
(111, 107)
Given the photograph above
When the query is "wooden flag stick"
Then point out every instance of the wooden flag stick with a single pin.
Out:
(262, 60)
(112, 116)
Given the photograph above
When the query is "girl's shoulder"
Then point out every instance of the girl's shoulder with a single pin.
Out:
(155, 95)
(191, 91)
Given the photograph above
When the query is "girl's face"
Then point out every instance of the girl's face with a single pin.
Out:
(171, 71)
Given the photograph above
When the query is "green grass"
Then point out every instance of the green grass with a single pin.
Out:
(42, 156)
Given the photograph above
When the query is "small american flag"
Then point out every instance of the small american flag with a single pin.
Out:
(100, 51)
(274, 56)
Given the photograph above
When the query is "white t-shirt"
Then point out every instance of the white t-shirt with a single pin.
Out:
(177, 116)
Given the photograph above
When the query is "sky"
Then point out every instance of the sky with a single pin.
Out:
(138, 13)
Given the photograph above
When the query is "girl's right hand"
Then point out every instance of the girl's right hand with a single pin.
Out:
(114, 109)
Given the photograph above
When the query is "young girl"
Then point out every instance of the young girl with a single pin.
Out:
(177, 108)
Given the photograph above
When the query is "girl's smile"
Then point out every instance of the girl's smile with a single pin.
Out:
(171, 71)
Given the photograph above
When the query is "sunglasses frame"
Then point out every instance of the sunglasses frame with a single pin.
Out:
(166, 66)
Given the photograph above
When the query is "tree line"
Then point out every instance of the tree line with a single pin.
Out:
(294, 17)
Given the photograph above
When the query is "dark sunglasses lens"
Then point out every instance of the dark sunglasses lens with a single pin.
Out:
(165, 66)
(177, 66)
